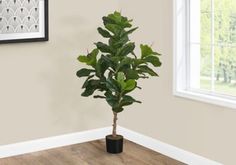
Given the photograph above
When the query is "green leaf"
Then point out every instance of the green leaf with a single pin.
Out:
(90, 87)
(104, 33)
(146, 69)
(111, 99)
(86, 81)
(83, 59)
(117, 109)
(137, 62)
(118, 43)
(115, 29)
(84, 72)
(109, 61)
(103, 47)
(125, 61)
(90, 59)
(101, 67)
(117, 18)
(121, 80)
(120, 77)
(91, 83)
(128, 100)
(107, 20)
(87, 92)
(154, 60)
(147, 51)
(130, 85)
(129, 32)
(112, 85)
(131, 74)
(127, 49)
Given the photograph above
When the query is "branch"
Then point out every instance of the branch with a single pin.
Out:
(99, 97)
(139, 87)
(144, 77)
(134, 55)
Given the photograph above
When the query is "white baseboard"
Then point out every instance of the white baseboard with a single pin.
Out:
(52, 142)
(165, 149)
(85, 136)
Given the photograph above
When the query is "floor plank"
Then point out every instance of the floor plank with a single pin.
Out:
(92, 153)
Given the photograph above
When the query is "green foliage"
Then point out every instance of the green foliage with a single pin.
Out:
(84, 72)
(114, 67)
(90, 59)
(224, 39)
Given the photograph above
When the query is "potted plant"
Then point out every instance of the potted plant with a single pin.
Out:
(114, 69)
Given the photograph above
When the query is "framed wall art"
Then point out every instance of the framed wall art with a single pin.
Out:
(23, 21)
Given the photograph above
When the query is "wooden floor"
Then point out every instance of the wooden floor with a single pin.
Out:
(92, 153)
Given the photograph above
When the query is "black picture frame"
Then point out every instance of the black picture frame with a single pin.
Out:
(45, 37)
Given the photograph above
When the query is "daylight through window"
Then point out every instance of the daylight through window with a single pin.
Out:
(212, 46)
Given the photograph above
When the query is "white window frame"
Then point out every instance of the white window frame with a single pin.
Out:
(181, 60)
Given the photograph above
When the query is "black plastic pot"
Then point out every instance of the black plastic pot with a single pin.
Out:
(114, 145)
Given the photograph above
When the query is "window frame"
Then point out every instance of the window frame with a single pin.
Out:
(181, 61)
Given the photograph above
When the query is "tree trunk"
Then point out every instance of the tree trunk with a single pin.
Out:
(114, 124)
(225, 76)
(218, 76)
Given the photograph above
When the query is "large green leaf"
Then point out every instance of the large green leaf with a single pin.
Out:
(131, 74)
(91, 83)
(118, 19)
(101, 67)
(84, 59)
(113, 85)
(118, 42)
(147, 51)
(127, 49)
(130, 85)
(103, 47)
(154, 60)
(104, 33)
(112, 100)
(120, 77)
(87, 81)
(110, 61)
(128, 100)
(129, 32)
(146, 69)
(107, 20)
(117, 109)
(121, 80)
(88, 92)
(137, 62)
(90, 87)
(84, 72)
(90, 59)
(115, 29)
(125, 61)
(125, 85)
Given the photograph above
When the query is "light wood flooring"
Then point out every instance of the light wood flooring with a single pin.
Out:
(92, 153)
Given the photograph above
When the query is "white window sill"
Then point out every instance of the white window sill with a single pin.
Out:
(215, 100)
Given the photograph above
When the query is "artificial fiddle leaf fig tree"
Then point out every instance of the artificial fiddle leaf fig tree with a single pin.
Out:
(113, 68)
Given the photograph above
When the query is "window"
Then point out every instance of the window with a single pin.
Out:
(205, 50)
